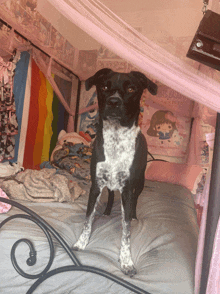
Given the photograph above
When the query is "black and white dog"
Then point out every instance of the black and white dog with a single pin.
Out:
(120, 151)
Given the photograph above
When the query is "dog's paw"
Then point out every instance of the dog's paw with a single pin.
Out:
(75, 247)
(127, 265)
(83, 239)
(106, 213)
(81, 243)
(128, 270)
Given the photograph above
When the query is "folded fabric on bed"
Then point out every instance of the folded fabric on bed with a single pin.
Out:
(45, 185)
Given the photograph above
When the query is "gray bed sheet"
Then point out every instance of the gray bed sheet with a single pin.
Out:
(163, 244)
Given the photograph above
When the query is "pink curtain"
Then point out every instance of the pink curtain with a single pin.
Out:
(201, 240)
(213, 285)
(201, 115)
(107, 28)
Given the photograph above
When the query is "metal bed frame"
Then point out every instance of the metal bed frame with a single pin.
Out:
(50, 232)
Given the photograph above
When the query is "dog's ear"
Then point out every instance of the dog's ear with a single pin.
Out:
(151, 86)
(94, 79)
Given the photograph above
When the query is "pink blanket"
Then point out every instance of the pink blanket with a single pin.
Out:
(4, 207)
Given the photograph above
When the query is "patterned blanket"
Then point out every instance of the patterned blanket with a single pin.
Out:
(74, 158)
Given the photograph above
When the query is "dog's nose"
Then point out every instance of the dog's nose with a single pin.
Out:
(114, 101)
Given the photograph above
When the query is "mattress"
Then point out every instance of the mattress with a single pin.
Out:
(163, 244)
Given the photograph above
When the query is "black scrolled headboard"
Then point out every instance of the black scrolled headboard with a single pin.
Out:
(50, 232)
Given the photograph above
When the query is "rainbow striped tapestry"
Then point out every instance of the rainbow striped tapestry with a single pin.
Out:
(41, 120)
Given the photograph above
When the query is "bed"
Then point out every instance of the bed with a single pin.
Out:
(163, 244)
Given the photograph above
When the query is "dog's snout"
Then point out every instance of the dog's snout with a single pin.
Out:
(114, 101)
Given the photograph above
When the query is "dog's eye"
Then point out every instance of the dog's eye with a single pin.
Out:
(104, 88)
(130, 90)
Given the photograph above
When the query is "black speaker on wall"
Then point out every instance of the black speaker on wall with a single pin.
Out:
(205, 47)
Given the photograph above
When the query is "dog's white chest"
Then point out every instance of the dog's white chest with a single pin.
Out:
(119, 150)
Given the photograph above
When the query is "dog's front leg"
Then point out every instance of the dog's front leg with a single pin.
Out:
(127, 265)
(83, 240)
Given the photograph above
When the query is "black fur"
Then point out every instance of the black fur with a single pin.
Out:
(119, 97)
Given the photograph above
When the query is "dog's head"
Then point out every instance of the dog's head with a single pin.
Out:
(119, 94)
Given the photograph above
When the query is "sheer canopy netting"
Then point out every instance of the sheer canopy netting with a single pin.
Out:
(111, 31)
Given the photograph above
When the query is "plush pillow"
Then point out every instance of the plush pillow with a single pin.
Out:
(70, 138)
(175, 173)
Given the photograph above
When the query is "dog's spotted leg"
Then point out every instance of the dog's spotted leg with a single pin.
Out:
(127, 265)
(85, 235)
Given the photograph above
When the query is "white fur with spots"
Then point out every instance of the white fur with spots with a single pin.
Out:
(87, 229)
(127, 265)
(119, 150)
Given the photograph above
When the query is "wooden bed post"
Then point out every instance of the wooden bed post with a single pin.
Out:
(213, 210)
